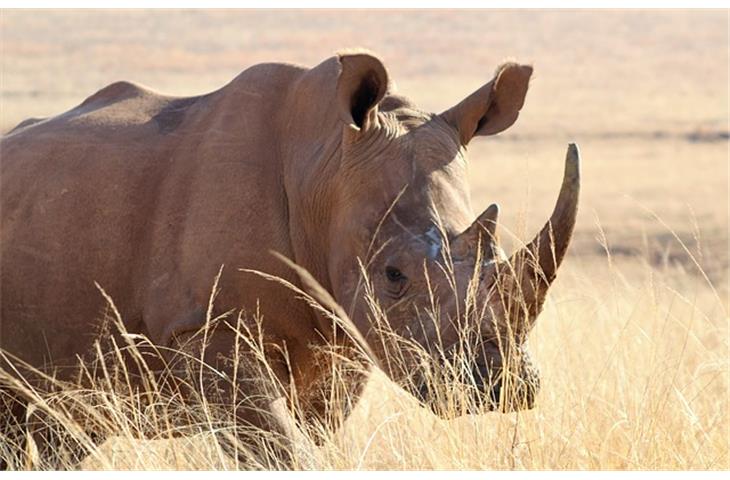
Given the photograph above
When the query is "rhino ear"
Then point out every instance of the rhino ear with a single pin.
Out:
(494, 107)
(361, 85)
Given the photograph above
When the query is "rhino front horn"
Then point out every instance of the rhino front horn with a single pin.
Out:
(536, 264)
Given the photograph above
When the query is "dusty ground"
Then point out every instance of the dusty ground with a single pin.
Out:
(644, 94)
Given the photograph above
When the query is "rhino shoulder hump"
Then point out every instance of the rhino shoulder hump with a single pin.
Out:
(114, 92)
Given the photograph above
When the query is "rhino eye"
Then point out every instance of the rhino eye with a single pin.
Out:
(394, 275)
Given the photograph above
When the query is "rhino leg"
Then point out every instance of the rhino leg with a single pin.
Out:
(331, 401)
(269, 439)
(12, 437)
(38, 443)
(245, 398)
(58, 449)
(30, 440)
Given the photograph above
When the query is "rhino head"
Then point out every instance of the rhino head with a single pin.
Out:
(411, 259)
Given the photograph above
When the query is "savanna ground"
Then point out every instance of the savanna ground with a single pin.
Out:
(633, 343)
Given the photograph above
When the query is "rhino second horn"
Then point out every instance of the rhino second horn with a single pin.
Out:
(481, 232)
(537, 263)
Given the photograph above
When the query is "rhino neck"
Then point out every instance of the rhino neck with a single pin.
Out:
(290, 113)
(311, 152)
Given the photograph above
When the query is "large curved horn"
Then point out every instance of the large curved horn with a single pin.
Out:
(536, 264)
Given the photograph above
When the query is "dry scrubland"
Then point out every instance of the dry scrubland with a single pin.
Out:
(633, 343)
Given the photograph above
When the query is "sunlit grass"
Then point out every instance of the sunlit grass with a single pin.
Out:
(634, 369)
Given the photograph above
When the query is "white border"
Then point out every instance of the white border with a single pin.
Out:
(369, 475)
(335, 4)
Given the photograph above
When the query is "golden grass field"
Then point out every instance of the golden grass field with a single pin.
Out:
(633, 344)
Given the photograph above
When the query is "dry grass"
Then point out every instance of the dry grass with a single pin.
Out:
(633, 344)
(635, 376)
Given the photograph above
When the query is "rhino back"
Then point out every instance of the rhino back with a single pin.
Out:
(144, 194)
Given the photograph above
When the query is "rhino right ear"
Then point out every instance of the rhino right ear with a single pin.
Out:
(494, 107)
(361, 85)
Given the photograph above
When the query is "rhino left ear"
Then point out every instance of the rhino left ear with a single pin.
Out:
(361, 85)
(494, 107)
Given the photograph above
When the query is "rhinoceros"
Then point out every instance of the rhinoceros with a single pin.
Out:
(151, 197)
